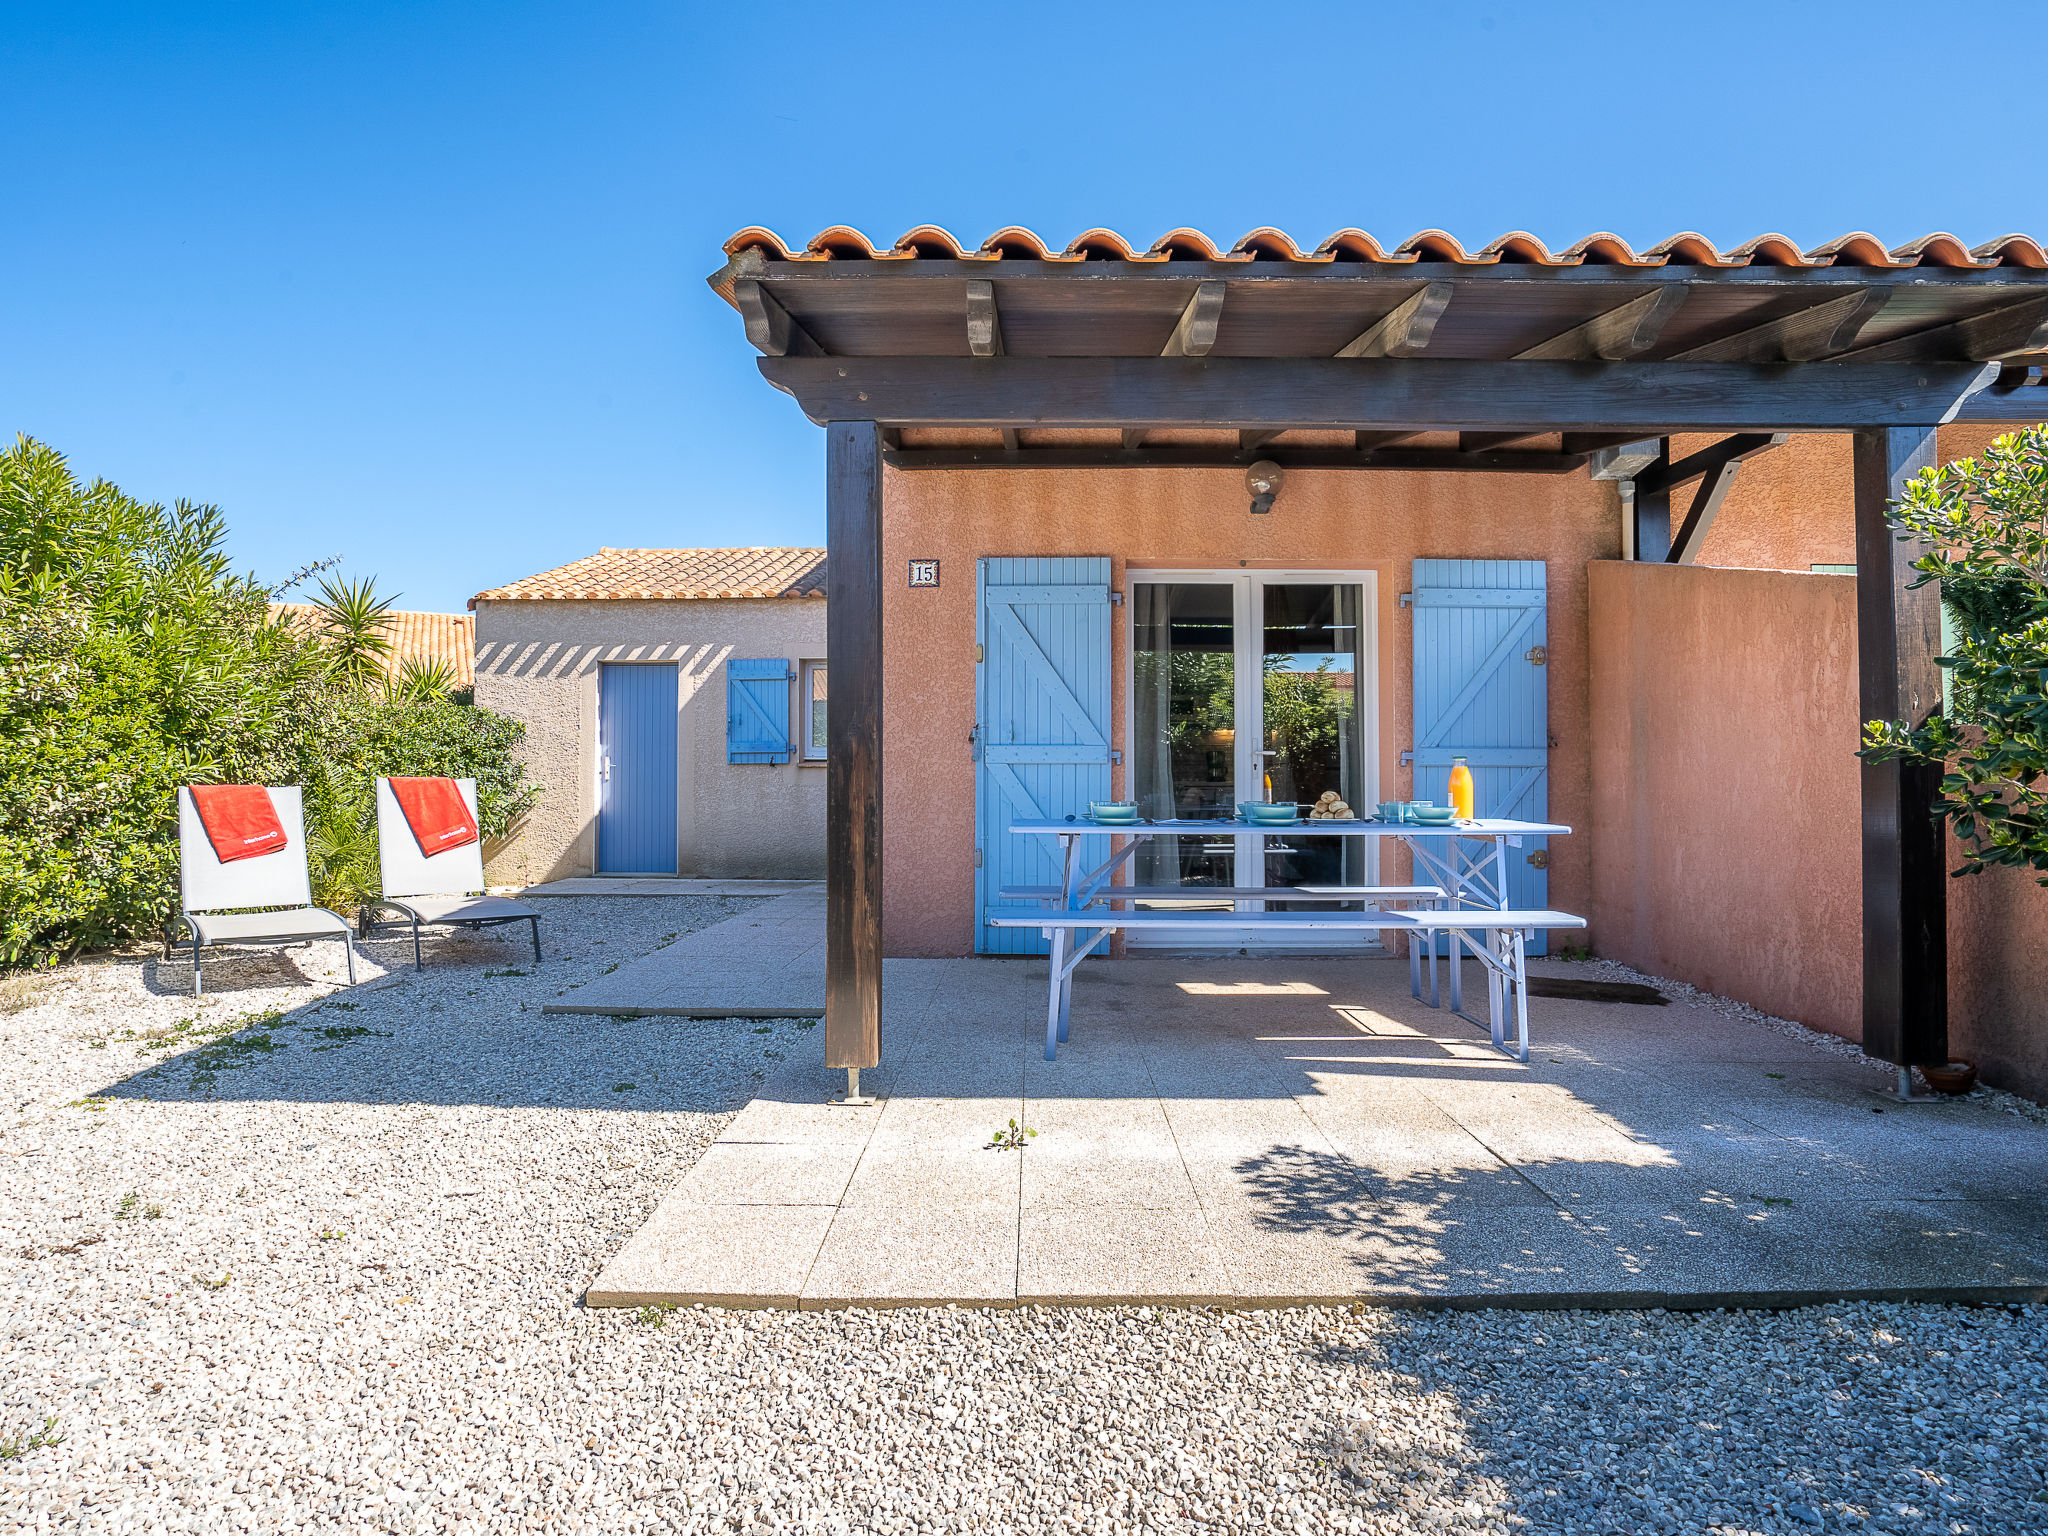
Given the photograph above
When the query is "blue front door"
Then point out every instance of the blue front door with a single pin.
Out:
(636, 768)
(1042, 708)
(1481, 693)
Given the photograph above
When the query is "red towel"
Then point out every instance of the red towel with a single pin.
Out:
(239, 819)
(436, 812)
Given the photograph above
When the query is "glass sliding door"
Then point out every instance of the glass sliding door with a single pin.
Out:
(1184, 745)
(1250, 686)
(1311, 732)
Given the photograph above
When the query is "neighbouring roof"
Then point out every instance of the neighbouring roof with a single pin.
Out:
(429, 637)
(646, 574)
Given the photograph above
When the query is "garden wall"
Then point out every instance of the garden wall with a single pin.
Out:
(1725, 813)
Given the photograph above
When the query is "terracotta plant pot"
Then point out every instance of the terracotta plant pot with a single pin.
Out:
(1956, 1077)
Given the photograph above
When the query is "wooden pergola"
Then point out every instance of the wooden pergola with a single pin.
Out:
(1591, 359)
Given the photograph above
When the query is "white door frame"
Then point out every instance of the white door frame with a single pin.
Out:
(1247, 612)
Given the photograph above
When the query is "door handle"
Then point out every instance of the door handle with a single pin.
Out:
(607, 769)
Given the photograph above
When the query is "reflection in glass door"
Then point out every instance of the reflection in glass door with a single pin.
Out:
(1184, 737)
(1311, 658)
(1249, 686)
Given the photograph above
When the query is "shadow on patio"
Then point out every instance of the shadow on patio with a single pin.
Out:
(1266, 1129)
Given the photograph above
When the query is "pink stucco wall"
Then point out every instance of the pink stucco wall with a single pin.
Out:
(1725, 834)
(1725, 820)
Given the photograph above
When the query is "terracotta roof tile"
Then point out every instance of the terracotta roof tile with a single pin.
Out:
(449, 637)
(662, 574)
(844, 243)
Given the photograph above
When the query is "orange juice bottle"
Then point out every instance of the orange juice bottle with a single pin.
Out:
(1461, 789)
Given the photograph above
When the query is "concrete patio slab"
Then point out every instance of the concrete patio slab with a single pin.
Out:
(1250, 1130)
(668, 885)
(765, 964)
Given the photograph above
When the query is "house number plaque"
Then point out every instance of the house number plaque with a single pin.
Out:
(924, 573)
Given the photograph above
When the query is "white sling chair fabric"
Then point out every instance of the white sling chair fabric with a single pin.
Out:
(444, 889)
(210, 892)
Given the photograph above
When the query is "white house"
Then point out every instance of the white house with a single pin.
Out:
(674, 701)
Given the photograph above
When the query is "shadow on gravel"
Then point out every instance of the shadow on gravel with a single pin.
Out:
(466, 1031)
(1657, 1422)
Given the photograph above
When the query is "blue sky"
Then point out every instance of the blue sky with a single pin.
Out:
(422, 284)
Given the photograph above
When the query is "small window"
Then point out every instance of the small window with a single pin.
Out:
(813, 697)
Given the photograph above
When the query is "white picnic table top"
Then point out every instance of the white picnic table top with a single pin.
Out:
(1483, 827)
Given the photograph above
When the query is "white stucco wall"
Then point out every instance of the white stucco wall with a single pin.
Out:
(538, 662)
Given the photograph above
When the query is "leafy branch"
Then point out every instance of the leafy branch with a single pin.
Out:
(1984, 525)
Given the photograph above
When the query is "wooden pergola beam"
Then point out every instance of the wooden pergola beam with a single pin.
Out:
(2014, 331)
(1715, 456)
(1905, 875)
(1804, 336)
(1626, 331)
(1415, 395)
(1489, 462)
(1406, 329)
(1195, 332)
(984, 324)
(853, 748)
(1480, 442)
(769, 326)
(1706, 502)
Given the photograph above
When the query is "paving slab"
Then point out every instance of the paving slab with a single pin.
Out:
(765, 964)
(1256, 1130)
(668, 885)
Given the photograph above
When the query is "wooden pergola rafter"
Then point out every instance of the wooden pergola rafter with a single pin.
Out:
(1611, 361)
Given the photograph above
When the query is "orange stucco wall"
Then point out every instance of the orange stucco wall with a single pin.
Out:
(1790, 508)
(1725, 832)
(1334, 520)
(1725, 818)
(1704, 720)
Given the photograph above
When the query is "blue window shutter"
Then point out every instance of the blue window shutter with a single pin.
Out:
(1043, 691)
(757, 711)
(1482, 694)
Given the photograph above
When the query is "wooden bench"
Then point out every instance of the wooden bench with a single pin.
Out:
(1117, 894)
(1503, 952)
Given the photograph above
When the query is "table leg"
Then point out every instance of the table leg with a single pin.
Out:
(1055, 1018)
(1067, 994)
(1456, 957)
(1496, 991)
(1521, 994)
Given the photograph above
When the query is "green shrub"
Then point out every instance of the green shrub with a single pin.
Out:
(132, 660)
(379, 733)
(1984, 523)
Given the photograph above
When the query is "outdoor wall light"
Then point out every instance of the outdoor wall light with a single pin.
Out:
(1263, 481)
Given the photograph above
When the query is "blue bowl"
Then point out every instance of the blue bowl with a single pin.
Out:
(1268, 813)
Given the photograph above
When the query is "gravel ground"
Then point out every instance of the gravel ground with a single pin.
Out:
(322, 1272)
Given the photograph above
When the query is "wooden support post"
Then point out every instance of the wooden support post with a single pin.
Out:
(1905, 886)
(1653, 511)
(853, 747)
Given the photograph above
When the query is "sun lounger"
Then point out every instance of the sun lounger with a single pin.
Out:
(440, 890)
(214, 895)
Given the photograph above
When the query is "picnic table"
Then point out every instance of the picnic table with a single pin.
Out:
(1468, 903)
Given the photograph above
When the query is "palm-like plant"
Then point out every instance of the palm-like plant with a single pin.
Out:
(354, 620)
(341, 840)
(420, 681)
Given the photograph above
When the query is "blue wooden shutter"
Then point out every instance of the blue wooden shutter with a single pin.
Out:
(1042, 693)
(757, 711)
(1481, 696)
